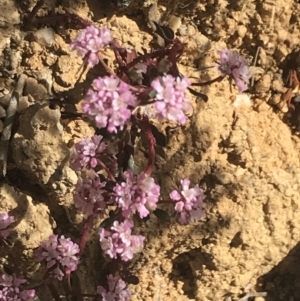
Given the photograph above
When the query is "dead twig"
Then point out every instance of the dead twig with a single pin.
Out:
(254, 64)
(253, 294)
(9, 121)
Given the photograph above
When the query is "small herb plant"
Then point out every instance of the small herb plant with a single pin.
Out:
(122, 104)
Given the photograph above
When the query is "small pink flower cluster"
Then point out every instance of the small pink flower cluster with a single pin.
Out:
(60, 253)
(116, 291)
(85, 152)
(118, 240)
(138, 194)
(90, 41)
(109, 103)
(171, 100)
(234, 65)
(189, 202)
(88, 194)
(11, 289)
(5, 221)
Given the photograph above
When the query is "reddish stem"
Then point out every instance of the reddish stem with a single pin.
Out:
(155, 54)
(110, 72)
(85, 235)
(116, 49)
(151, 145)
(107, 69)
(110, 175)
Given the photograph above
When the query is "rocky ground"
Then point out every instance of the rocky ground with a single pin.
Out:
(244, 150)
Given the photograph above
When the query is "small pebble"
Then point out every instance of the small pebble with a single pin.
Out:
(242, 30)
(2, 112)
(2, 83)
(5, 91)
(264, 83)
(174, 23)
(44, 36)
(23, 104)
(260, 299)
(242, 100)
(4, 100)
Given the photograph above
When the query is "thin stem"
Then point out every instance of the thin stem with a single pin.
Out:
(116, 47)
(107, 69)
(152, 55)
(110, 175)
(84, 295)
(209, 82)
(151, 145)
(165, 202)
(53, 291)
(110, 72)
(253, 294)
(85, 235)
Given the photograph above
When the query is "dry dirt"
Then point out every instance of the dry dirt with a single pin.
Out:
(246, 157)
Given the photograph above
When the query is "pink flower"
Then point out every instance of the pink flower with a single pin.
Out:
(117, 290)
(118, 241)
(5, 221)
(235, 66)
(109, 103)
(61, 253)
(85, 152)
(11, 289)
(171, 100)
(88, 194)
(138, 194)
(189, 202)
(90, 41)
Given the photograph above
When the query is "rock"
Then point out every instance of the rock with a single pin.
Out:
(264, 83)
(9, 14)
(37, 146)
(34, 224)
(174, 23)
(45, 36)
(37, 91)
(39, 150)
(65, 64)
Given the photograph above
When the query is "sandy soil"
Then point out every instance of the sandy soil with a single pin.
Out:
(246, 157)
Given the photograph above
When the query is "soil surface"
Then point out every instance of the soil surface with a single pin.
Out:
(243, 149)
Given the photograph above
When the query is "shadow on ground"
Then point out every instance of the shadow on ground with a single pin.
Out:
(283, 281)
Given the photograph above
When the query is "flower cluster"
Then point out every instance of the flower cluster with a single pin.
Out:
(189, 202)
(117, 290)
(109, 103)
(171, 100)
(11, 289)
(118, 240)
(235, 66)
(59, 254)
(138, 194)
(90, 41)
(85, 152)
(88, 194)
(5, 221)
